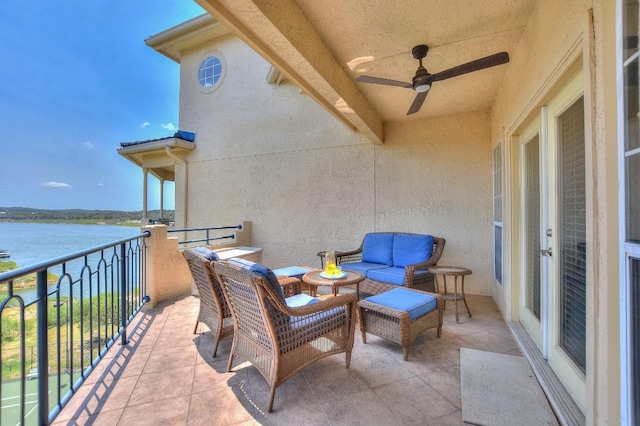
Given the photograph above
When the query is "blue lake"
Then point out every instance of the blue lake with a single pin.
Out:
(30, 243)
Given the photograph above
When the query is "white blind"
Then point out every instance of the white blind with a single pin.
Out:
(572, 215)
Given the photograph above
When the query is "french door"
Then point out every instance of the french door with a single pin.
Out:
(553, 235)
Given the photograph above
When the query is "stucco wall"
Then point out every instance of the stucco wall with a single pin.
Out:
(557, 33)
(548, 45)
(435, 176)
(271, 155)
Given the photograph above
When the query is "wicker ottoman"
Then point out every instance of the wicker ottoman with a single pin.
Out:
(400, 315)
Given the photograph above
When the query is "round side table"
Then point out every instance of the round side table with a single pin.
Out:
(456, 272)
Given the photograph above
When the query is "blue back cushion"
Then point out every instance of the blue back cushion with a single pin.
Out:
(260, 270)
(416, 303)
(378, 248)
(206, 253)
(411, 248)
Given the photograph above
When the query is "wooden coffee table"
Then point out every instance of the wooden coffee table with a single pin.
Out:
(314, 279)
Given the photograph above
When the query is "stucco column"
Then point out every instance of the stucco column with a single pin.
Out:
(167, 272)
(145, 214)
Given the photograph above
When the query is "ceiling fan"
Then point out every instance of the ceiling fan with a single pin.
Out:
(422, 81)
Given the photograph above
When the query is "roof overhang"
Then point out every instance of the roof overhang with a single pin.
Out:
(189, 34)
(155, 157)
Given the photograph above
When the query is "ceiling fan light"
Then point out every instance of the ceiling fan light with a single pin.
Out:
(423, 87)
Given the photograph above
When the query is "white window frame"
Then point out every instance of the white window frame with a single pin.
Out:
(223, 71)
(628, 249)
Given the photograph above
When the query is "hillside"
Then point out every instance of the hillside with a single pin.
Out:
(112, 217)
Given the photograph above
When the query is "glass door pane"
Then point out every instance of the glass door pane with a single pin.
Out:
(572, 235)
(532, 212)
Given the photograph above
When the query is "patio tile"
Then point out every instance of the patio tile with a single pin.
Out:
(329, 379)
(99, 397)
(167, 372)
(104, 418)
(170, 356)
(359, 408)
(219, 406)
(173, 411)
(162, 385)
(126, 363)
(210, 376)
(381, 369)
(446, 383)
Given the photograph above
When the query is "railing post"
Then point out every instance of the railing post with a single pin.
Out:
(43, 348)
(123, 294)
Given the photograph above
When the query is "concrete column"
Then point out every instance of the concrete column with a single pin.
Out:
(167, 272)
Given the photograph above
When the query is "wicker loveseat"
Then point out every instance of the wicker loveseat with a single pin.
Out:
(392, 259)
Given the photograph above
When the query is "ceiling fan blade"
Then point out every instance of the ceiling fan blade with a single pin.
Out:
(477, 65)
(417, 102)
(383, 81)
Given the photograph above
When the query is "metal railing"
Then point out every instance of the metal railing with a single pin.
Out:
(56, 335)
(207, 238)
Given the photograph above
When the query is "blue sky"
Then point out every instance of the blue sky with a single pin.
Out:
(76, 80)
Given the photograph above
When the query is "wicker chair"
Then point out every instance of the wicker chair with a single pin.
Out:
(214, 310)
(416, 275)
(280, 340)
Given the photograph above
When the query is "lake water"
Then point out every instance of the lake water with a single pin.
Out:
(30, 243)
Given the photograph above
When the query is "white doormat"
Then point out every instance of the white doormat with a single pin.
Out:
(500, 389)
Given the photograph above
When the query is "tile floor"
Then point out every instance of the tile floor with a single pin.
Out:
(167, 376)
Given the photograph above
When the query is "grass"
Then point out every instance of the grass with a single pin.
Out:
(27, 281)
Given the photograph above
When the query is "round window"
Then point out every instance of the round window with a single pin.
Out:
(210, 72)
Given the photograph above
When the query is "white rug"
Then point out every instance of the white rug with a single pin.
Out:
(500, 389)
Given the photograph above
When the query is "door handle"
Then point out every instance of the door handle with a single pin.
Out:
(547, 252)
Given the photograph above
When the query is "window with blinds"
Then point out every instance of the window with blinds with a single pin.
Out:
(631, 199)
(573, 233)
(497, 212)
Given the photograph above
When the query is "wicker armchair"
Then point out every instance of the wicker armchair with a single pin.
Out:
(415, 276)
(278, 339)
(214, 310)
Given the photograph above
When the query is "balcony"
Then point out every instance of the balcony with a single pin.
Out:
(166, 375)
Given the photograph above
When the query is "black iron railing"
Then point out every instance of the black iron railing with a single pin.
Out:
(204, 235)
(53, 337)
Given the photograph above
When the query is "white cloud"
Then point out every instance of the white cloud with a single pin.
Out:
(88, 145)
(145, 124)
(168, 126)
(56, 185)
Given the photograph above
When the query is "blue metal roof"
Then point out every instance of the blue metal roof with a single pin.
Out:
(180, 134)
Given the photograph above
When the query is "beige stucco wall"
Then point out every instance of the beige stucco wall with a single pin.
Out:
(308, 183)
(557, 35)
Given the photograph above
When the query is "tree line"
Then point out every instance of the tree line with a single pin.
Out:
(26, 214)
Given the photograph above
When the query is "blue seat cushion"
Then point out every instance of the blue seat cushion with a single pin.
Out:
(301, 299)
(390, 275)
(292, 271)
(206, 253)
(416, 303)
(377, 247)
(361, 267)
(411, 248)
(261, 271)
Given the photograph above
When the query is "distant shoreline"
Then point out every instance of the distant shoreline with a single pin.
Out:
(131, 223)
(80, 216)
